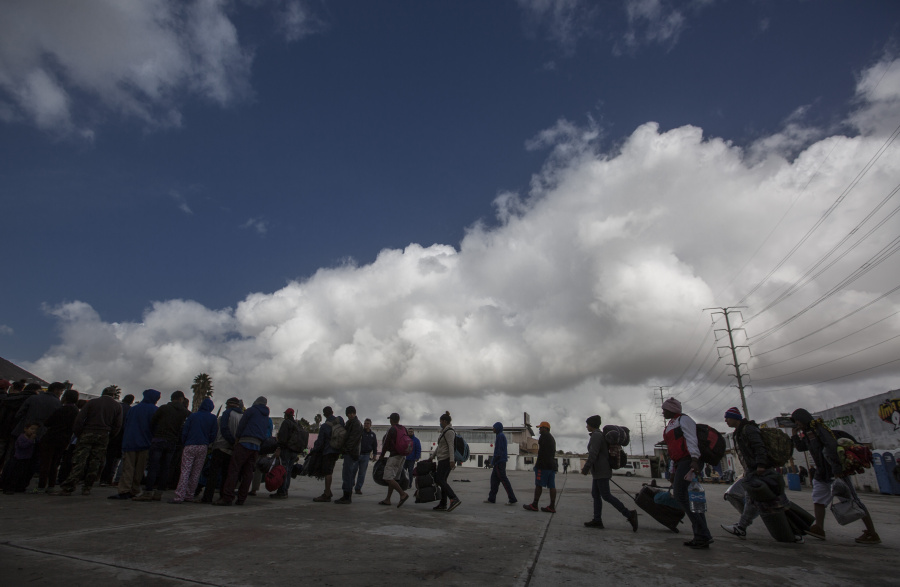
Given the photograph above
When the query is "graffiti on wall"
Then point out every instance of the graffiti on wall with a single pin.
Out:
(889, 411)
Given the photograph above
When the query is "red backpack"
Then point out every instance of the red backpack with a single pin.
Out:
(403, 444)
(275, 476)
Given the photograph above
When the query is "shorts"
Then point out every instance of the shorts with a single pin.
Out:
(821, 492)
(394, 467)
(328, 462)
(545, 478)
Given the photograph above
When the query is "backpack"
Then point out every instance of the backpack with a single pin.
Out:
(403, 444)
(617, 458)
(711, 443)
(338, 434)
(460, 449)
(779, 447)
(275, 476)
(299, 440)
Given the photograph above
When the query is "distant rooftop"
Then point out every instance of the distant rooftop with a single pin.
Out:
(12, 372)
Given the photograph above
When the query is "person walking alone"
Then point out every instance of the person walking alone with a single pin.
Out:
(498, 470)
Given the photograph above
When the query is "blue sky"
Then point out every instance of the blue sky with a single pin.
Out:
(190, 157)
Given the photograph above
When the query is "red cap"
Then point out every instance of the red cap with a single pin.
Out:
(289, 411)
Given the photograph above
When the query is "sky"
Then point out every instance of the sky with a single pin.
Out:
(483, 207)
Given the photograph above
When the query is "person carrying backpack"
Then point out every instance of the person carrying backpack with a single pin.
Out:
(814, 435)
(444, 455)
(680, 436)
(289, 449)
(399, 444)
(598, 466)
(330, 453)
(754, 457)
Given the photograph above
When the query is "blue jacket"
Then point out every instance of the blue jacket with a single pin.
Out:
(138, 429)
(254, 423)
(416, 453)
(500, 455)
(200, 427)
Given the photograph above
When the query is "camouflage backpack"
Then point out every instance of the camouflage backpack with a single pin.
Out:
(778, 446)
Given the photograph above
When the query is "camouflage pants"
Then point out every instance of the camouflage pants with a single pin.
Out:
(90, 452)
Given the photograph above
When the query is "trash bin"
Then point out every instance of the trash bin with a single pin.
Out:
(793, 480)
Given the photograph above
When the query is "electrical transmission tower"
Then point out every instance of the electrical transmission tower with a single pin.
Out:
(640, 418)
(731, 346)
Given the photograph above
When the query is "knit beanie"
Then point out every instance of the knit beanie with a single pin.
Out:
(672, 405)
(733, 414)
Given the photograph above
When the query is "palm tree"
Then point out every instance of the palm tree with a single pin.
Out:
(318, 422)
(203, 388)
(116, 388)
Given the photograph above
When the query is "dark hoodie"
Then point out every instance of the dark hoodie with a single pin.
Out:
(169, 419)
(138, 430)
(254, 425)
(500, 455)
(750, 445)
(200, 427)
(822, 446)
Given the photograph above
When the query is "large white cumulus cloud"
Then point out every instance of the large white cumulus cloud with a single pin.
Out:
(588, 287)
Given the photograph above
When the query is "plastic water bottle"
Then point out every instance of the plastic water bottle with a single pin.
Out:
(697, 497)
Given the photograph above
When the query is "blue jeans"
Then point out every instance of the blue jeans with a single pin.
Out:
(498, 476)
(410, 466)
(600, 492)
(348, 474)
(363, 464)
(680, 493)
(159, 460)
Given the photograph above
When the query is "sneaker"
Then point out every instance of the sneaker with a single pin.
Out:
(489, 501)
(440, 508)
(454, 503)
(512, 502)
(698, 543)
(594, 524)
(322, 498)
(343, 500)
(632, 519)
(798, 539)
(145, 496)
(121, 496)
(530, 507)
(359, 492)
(35, 491)
(85, 491)
(735, 530)
(816, 531)
(60, 492)
(869, 538)
(549, 509)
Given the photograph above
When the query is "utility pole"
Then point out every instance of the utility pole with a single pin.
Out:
(731, 346)
(661, 398)
(640, 418)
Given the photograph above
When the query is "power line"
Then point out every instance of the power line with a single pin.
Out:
(805, 279)
(862, 173)
(819, 348)
(832, 379)
(826, 362)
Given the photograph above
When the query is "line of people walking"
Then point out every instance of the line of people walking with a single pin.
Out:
(38, 430)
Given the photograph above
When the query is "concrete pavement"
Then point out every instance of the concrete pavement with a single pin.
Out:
(95, 541)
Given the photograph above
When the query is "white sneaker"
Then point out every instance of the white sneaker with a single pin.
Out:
(735, 530)
(798, 539)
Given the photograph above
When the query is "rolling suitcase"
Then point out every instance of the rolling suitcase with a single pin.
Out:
(665, 515)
